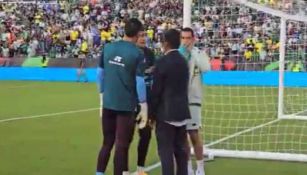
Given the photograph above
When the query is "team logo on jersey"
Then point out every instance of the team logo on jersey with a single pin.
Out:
(117, 61)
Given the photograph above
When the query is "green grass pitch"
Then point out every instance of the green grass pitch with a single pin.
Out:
(68, 143)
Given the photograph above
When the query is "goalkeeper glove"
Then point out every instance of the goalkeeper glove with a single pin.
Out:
(101, 104)
(142, 116)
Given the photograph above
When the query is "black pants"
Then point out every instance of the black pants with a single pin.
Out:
(145, 136)
(118, 128)
(172, 143)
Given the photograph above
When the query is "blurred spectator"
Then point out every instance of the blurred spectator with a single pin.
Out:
(216, 64)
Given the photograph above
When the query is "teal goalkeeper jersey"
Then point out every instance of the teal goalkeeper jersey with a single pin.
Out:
(120, 62)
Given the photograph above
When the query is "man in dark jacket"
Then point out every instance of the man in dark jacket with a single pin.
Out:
(170, 105)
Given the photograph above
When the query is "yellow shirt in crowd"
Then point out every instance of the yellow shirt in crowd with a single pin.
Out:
(250, 41)
(55, 36)
(248, 54)
(37, 18)
(269, 42)
(84, 47)
(86, 9)
(113, 30)
(105, 35)
(259, 46)
(74, 35)
(150, 33)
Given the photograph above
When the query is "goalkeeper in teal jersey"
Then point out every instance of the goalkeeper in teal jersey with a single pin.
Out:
(118, 65)
(144, 82)
(144, 125)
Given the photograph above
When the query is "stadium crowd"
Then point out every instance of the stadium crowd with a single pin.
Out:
(232, 34)
(289, 6)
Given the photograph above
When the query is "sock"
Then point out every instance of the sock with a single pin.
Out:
(140, 169)
(200, 164)
(190, 167)
(99, 173)
(126, 173)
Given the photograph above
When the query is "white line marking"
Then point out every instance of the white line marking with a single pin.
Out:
(20, 86)
(48, 115)
(242, 132)
(158, 164)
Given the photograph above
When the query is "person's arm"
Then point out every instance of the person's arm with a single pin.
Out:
(100, 73)
(157, 89)
(151, 61)
(140, 79)
(101, 60)
(202, 60)
(151, 57)
(141, 89)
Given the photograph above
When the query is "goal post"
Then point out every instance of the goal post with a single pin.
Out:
(187, 13)
(258, 111)
(282, 51)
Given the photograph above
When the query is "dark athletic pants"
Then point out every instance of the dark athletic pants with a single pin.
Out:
(172, 143)
(118, 128)
(145, 136)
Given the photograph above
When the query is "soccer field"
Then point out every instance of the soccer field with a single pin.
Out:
(54, 129)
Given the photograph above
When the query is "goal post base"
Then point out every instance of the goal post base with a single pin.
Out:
(293, 117)
(257, 155)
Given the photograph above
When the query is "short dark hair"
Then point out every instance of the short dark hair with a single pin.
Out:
(172, 37)
(132, 27)
(188, 29)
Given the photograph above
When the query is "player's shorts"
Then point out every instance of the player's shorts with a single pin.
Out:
(195, 122)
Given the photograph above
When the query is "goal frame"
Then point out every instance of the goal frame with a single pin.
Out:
(284, 17)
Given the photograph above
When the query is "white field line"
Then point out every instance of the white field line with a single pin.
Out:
(20, 86)
(158, 164)
(47, 115)
(242, 132)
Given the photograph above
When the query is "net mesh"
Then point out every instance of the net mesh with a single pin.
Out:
(245, 117)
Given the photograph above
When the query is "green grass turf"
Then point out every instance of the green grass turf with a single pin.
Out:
(68, 144)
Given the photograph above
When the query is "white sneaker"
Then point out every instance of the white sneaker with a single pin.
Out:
(200, 172)
(126, 173)
(191, 172)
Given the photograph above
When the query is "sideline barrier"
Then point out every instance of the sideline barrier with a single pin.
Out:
(44, 74)
(214, 78)
(254, 78)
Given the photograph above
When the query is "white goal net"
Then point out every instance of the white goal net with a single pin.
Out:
(255, 99)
